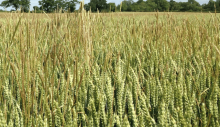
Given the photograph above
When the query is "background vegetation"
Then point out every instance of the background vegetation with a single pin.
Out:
(126, 5)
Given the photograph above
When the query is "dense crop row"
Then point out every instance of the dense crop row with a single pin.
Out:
(105, 70)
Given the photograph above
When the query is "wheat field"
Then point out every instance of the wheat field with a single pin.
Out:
(158, 69)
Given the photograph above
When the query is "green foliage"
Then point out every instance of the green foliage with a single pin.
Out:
(24, 4)
(36, 8)
(174, 6)
(211, 5)
(111, 7)
(59, 4)
(150, 6)
(162, 5)
(52, 5)
(193, 6)
(47, 5)
(71, 5)
(127, 5)
(98, 4)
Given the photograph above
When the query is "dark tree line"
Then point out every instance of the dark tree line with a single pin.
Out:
(45, 5)
(23, 4)
(153, 5)
(127, 5)
(51, 5)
